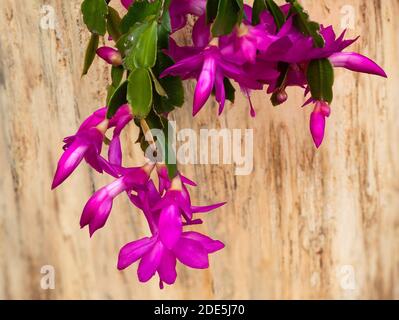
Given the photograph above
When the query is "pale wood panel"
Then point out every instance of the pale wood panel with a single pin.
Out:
(289, 227)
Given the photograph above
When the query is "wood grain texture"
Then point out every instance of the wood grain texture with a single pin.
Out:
(292, 228)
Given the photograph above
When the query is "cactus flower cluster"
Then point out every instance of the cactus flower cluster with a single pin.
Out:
(266, 47)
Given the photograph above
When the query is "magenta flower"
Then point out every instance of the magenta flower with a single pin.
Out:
(110, 55)
(192, 249)
(86, 144)
(227, 57)
(98, 208)
(254, 56)
(168, 243)
(247, 42)
(210, 68)
(301, 51)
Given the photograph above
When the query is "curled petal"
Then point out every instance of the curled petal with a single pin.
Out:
(133, 251)
(356, 62)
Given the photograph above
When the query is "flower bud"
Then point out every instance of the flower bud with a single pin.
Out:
(318, 122)
(110, 55)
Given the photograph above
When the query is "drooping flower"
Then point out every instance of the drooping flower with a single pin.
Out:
(297, 56)
(168, 242)
(98, 208)
(87, 144)
(301, 51)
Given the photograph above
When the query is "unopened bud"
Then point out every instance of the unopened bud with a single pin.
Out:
(110, 55)
(279, 97)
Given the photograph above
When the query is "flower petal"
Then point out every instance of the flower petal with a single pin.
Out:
(317, 127)
(205, 84)
(191, 253)
(356, 62)
(98, 208)
(204, 209)
(167, 267)
(69, 160)
(183, 66)
(133, 251)
(170, 226)
(220, 93)
(150, 262)
(209, 244)
(201, 32)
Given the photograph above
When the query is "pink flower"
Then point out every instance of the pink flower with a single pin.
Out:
(98, 208)
(168, 242)
(85, 144)
(210, 68)
(192, 249)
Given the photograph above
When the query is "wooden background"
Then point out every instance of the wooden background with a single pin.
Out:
(305, 224)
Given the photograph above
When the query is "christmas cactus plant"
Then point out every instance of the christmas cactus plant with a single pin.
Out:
(264, 47)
